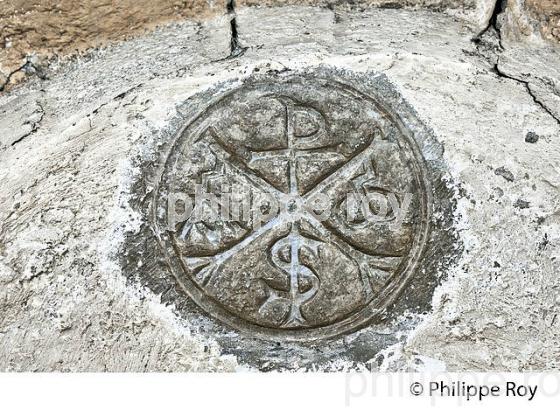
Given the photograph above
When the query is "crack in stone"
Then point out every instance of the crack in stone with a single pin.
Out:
(488, 42)
(499, 7)
(27, 67)
(9, 76)
(491, 52)
(117, 97)
(236, 49)
(34, 125)
(527, 85)
(336, 16)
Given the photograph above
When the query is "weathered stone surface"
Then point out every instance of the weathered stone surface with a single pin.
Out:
(34, 34)
(68, 28)
(532, 20)
(475, 12)
(69, 198)
(53, 214)
(537, 69)
(57, 28)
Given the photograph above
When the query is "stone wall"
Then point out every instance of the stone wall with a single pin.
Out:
(32, 34)
(75, 149)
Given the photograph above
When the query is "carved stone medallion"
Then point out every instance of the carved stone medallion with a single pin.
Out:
(253, 249)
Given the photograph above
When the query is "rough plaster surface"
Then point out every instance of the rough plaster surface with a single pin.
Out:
(69, 148)
(475, 12)
(34, 34)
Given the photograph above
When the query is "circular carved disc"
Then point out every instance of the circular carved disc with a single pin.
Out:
(270, 262)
